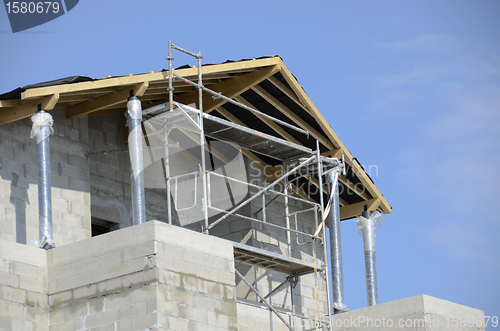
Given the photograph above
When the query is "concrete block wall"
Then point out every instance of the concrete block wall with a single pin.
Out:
(110, 174)
(99, 186)
(69, 176)
(421, 312)
(252, 318)
(150, 276)
(23, 287)
(196, 281)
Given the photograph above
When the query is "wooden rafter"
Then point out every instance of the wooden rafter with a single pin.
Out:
(9, 103)
(106, 101)
(294, 117)
(229, 88)
(356, 209)
(273, 125)
(28, 109)
(289, 93)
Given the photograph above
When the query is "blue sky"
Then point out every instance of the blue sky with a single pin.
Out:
(411, 87)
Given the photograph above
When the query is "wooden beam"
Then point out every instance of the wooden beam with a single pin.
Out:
(356, 209)
(9, 103)
(140, 89)
(353, 187)
(294, 117)
(336, 153)
(229, 88)
(50, 102)
(28, 109)
(106, 100)
(273, 125)
(150, 77)
(289, 93)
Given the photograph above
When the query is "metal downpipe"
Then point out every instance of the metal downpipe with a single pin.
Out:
(134, 117)
(41, 130)
(368, 232)
(335, 244)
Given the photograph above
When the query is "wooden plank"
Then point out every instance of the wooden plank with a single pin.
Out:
(149, 77)
(229, 88)
(9, 103)
(294, 117)
(356, 209)
(105, 101)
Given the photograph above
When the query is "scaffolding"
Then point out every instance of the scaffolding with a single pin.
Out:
(173, 132)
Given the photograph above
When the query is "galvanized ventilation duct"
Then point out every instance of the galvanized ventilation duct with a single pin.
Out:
(41, 130)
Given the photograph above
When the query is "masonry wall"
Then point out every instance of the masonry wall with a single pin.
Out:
(421, 313)
(23, 287)
(69, 175)
(150, 276)
(110, 175)
(88, 186)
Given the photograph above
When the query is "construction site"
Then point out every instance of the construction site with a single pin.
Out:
(200, 197)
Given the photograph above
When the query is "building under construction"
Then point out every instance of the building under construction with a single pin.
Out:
(195, 198)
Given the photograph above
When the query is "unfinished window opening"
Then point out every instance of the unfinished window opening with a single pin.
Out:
(100, 226)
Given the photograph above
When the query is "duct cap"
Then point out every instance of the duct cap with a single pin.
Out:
(41, 120)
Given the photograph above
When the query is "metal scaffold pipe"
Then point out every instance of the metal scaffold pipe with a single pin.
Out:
(134, 117)
(219, 95)
(42, 129)
(336, 244)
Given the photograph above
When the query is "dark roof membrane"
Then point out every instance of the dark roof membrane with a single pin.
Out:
(16, 94)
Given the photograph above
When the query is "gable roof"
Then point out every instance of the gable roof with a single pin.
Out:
(265, 84)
